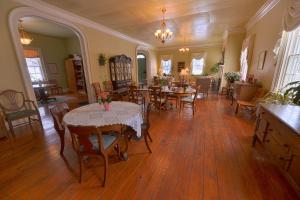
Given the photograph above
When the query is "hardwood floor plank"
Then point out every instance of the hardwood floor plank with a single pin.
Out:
(208, 156)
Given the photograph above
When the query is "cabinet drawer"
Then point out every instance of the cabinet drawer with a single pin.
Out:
(280, 153)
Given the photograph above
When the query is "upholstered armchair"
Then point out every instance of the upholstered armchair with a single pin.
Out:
(15, 107)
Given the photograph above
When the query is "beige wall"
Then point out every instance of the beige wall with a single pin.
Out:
(233, 47)
(267, 31)
(73, 45)
(53, 50)
(10, 76)
(213, 56)
(97, 42)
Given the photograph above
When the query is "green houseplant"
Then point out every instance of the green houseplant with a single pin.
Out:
(232, 76)
(293, 92)
(102, 59)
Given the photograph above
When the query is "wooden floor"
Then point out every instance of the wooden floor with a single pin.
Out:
(205, 157)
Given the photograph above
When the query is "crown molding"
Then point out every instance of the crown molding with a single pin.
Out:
(58, 12)
(204, 45)
(265, 9)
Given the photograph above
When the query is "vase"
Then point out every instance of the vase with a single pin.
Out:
(106, 106)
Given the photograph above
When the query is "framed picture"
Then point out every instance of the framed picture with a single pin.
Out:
(181, 65)
(52, 67)
(261, 60)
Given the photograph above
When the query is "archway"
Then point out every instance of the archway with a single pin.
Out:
(142, 68)
(13, 25)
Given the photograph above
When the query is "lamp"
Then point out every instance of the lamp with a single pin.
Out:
(184, 49)
(164, 33)
(24, 37)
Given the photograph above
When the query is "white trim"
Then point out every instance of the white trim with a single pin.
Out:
(61, 13)
(265, 9)
(20, 12)
(204, 45)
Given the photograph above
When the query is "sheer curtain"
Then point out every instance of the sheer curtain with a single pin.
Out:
(246, 55)
(197, 56)
(165, 58)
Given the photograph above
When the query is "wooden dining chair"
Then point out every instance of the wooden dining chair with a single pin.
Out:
(58, 110)
(135, 96)
(191, 100)
(14, 107)
(156, 97)
(90, 141)
(55, 89)
(145, 128)
(97, 89)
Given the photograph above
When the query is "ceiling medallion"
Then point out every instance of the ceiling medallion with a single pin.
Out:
(164, 33)
(24, 37)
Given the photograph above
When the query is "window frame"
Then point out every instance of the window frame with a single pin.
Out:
(163, 68)
(287, 48)
(43, 67)
(192, 66)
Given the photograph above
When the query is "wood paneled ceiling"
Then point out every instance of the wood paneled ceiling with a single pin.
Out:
(199, 21)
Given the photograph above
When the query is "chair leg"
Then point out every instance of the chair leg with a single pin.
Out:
(146, 141)
(40, 121)
(237, 108)
(193, 106)
(11, 128)
(148, 134)
(62, 143)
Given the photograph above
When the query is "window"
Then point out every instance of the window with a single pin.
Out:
(197, 66)
(166, 66)
(290, 66)
(34, 65)
(35, 69)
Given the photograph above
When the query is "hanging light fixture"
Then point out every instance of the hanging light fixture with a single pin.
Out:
(24, 37)
(164, 33)
(184, 49)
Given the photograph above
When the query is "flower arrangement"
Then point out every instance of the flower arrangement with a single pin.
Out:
(105, 99)
(232, 76)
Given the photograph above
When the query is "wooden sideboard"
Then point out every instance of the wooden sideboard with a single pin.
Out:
(278, 130)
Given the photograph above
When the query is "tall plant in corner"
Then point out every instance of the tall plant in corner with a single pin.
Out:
(293, 91)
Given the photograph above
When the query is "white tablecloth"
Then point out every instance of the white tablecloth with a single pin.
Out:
(125, 113)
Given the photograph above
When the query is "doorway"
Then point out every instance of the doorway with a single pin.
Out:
(142, 68)
(54, 62)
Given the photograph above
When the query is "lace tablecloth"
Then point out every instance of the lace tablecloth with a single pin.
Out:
(120, 112)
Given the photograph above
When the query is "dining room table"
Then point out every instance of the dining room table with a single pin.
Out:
(120, 113)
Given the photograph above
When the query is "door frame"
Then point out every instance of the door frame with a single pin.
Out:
(144, 50)
(20, 12)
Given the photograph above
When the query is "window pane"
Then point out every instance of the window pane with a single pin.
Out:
(197, 66)
(166, 64)
(34, 68)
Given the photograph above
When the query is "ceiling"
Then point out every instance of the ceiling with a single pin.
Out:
(198, 21)
(46, 27)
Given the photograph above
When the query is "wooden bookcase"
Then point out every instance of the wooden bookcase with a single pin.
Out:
(75, 75)
(120, 73)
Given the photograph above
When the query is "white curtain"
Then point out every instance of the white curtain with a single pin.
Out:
(246, 55)
(197, 56)
(291, 19)
(165, 58)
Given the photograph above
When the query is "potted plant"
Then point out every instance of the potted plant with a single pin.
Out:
(293, 91)
(102, 59)
(232, 76)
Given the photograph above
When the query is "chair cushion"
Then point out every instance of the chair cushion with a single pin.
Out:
(107, 140)
(20, 114)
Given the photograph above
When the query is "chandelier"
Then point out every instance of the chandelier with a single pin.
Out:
(164, 33)
(24, 37)
(183, 49)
